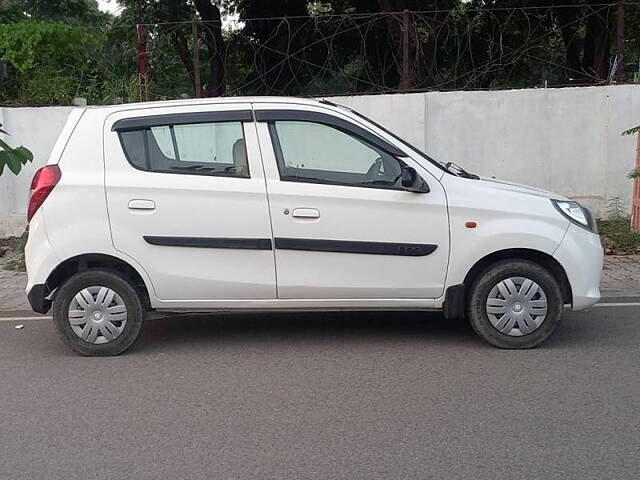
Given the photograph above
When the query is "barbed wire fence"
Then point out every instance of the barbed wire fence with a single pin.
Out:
(461, 48)
(391, 52)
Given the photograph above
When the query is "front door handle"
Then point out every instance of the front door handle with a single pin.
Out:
(142, 205)
(306, 213)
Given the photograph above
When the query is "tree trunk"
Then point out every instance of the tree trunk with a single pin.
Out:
(427, 54)
(403, 46)
(567, 18)
(597, 43)
(181, 47)
(212, 18)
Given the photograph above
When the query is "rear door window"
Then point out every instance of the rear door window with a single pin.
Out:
(216, 148)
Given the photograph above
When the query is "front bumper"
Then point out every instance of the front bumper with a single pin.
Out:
(582, 257)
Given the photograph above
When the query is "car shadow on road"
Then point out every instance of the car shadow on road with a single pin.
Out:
(356, 327)
(428, 329)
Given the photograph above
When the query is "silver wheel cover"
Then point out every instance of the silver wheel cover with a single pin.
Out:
(97, 315)
(517, 306)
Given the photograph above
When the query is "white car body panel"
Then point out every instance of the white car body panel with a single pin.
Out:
(192, 206)
(506, 219)
(356, 214)
(87, 213)
(582, 258)
(76, 211)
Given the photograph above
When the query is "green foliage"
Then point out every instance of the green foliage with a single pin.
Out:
(53, 63)
(616, 210)
(76, 12)
(17, 263)
(27, 44)
(70, 12)
(616, 229)
(46, 87)
(13, 158)
(58, 49)
(633, 174)
(618, 236)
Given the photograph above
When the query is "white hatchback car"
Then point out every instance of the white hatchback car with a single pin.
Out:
(263, 204)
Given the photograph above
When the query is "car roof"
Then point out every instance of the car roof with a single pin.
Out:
(209, 101)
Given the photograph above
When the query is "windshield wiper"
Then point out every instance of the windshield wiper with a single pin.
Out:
(458, 171)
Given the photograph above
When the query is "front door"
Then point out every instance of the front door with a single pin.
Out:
(187, 200)
(343, 226)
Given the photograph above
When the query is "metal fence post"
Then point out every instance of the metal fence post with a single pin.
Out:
(635, 200)
(620, 42)
(142, 62)
(405, 74)
(141, 42)
(196, 59)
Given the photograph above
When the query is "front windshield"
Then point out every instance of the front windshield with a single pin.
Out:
(440, 165)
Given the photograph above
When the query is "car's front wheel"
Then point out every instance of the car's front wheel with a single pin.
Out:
(515, 304)
(98, 313)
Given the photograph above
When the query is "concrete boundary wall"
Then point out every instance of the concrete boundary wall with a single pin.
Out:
(564, 140)
(36, 129)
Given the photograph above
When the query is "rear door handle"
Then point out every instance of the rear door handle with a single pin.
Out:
(142, 205)
(306, 213)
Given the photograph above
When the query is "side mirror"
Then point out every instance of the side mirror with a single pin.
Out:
(412, 182)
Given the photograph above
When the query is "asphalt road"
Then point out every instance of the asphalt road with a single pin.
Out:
(349, 396)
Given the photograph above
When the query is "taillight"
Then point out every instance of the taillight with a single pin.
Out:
(43, 182)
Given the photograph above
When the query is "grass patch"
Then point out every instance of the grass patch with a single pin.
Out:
(618, 238)
(14, 253)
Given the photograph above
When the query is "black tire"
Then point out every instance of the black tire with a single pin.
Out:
(123, 288)
(494, 274)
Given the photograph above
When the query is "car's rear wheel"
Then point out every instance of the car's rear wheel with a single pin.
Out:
(98, 313)
(515, 304)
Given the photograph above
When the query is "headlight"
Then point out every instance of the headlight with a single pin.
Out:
(576, 213)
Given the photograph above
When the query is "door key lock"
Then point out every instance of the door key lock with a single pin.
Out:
(285, 211)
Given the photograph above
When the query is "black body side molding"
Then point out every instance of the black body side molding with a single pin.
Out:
(208, 242)
(302, 244)
(348, 246)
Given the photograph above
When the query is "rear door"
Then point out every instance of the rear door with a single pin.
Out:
(187, 200)
(343, 226)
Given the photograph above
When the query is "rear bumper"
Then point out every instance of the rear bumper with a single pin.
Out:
(582, 257)
(38, 298)
(41, 261)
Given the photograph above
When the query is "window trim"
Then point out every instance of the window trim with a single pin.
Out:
(277, 149)
(414, 149)
(187, 118)
(148, 169)
(332, 121)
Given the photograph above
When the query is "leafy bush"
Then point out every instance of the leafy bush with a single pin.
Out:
(618, 238)
(49, 61)
(615, 231)
(25, 45)
(13, 158)
(632, 131)
(45, 87)
(17, 261)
